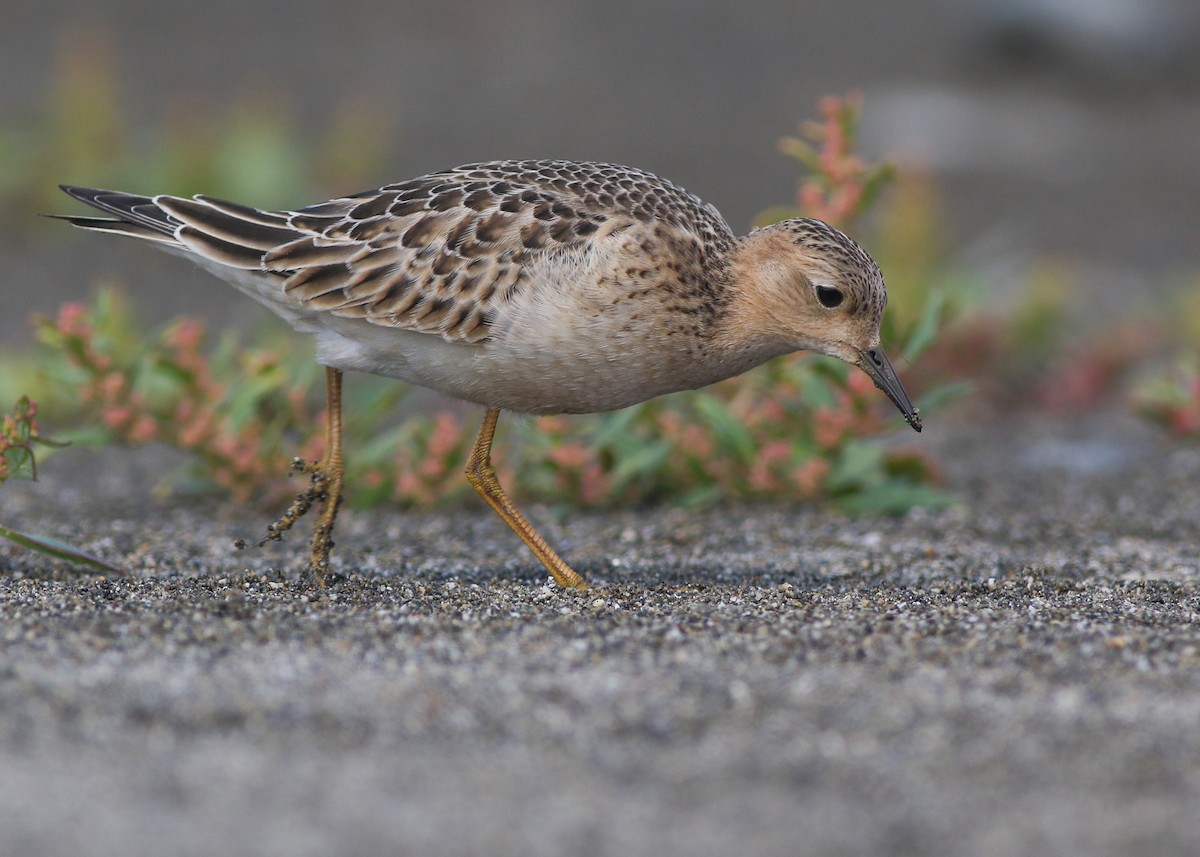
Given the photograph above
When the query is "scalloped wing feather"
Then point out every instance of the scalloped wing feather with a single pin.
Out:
(441, 252)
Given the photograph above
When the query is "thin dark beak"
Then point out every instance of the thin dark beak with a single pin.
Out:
(876, 364)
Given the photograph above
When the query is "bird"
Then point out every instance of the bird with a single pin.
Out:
(530, 286)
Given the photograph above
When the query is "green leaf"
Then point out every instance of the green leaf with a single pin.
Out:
(249, 395)
(731, 432)
(817, 390)
(701, 496)
(894, 497)
(50, 443)
(874, 182)
(945, 393)
(861, 464)
(172, 375)
(373, 400)
(93, 435)
(383, 446)
(926, 329)
(21, 464)
(614, 430)
(59, 549)
(643, 461)
(24, 424)
(802, 151)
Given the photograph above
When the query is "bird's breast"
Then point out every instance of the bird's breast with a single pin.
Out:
(551, 349)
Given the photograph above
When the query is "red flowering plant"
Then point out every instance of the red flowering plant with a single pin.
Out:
(1172, 399)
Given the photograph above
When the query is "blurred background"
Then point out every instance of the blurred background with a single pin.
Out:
(1031, 135)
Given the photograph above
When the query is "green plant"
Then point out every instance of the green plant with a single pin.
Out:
(1172, 399)
(839, 186)
(19, 434)
(138, 387)
(793, 429)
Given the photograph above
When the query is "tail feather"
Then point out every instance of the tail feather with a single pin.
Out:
(117, 227)
(222, 225)
(223, 232)
(245, 212)
(128, 207)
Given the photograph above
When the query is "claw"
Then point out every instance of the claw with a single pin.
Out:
(325, 487)
(301, 504)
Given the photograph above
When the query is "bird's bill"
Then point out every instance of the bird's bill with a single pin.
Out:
(876, 364)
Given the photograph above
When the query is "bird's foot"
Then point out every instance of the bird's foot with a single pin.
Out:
(325, 487)
(304, 500)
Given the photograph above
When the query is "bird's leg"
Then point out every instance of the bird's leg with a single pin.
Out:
(482, 475)
(325, 485)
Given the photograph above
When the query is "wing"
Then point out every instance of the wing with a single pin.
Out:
(435, 254)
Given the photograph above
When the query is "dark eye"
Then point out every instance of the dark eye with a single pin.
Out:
(829, 296)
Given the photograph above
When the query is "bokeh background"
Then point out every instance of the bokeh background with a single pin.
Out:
(1066, 130)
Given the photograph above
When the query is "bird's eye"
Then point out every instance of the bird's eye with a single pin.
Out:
(829, 296)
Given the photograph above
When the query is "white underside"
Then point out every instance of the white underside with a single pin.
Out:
(549, 352)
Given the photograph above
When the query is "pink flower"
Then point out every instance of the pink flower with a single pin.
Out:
(552, 425)
(594, 485)
(696, 442)
(830, 427)
(1186, 421)
(112, 386)
(187, 335)
(810, 476)
(143, 430)
(372, 478)
(570, 456)
(777, 450)
(72, 319)
(431, 468)
(410, 488)
(446, 435)
(116, 416)
(762, 479)
(194, 431)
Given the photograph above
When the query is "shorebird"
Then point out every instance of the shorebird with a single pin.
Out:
(540, 287)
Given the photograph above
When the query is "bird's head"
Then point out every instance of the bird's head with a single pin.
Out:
(803, 285)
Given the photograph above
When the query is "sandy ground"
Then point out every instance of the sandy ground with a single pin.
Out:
(1019, 674)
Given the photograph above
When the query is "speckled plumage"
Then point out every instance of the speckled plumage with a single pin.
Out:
(580, 286)
(533, 286)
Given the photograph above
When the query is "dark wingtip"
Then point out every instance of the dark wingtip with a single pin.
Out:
(90, 195)
(83, 194)
(86, 195)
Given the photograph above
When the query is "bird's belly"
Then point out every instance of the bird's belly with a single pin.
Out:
(577, 380)
(551, 373)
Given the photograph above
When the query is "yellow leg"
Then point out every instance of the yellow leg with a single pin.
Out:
(325, 486)
(482, 475)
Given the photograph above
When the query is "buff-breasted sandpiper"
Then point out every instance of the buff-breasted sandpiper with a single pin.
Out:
(541, 287)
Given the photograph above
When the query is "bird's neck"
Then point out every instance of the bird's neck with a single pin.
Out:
(743, 333)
